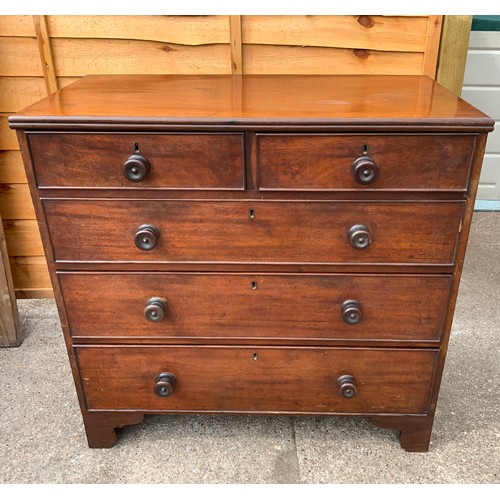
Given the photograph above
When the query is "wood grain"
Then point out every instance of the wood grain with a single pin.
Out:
(281, 59)
(280, 379)
(265, 100)
(8, 140)
(236, 54)
(11, 333)
(255, 306)
(186, 161)
(414, 431)
(100, 427)
(78, 57)
(65, 81)
(46, 55)
(310, 162)
(20, 57)
(23, 237)
(453, 52)
(431, 51)
(249, 327)
(35, 293)
(15, 202)
(30, 273)
(385, 33)
(182, 30)
(19, 92)
(280, 232)
(11, 168)
(20, 26)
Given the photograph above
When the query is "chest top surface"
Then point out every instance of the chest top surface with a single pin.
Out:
(340, 101)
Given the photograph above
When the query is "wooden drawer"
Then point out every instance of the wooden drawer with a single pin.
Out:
(241, 307)
(254, 231)
(256, 379)
(324, 162)
(177, 161)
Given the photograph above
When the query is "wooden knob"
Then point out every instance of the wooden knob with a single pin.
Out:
(165, 384)
(364, 170)
(155, 309)
(351, 312)
(359, 237)
(146, 237)
(347, 386)
(136, 168)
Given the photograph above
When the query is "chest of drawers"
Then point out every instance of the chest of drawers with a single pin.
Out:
(255, 244)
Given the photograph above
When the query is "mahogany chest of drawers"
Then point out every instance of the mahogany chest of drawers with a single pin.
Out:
(255, 244)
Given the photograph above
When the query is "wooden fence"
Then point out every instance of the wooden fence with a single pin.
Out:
(39, 54)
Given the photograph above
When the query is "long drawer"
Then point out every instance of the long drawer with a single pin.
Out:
(256, 379)
(172, 161)
(254, 231)
(193, 306)
(392, 162)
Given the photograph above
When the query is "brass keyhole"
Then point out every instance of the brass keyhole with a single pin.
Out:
(254, 285)
(255, 357)
(251, 214)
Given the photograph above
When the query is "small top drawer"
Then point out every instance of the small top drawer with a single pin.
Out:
(311, 162)
(171, 161)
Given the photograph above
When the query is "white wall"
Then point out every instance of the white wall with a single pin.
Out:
(482, 89)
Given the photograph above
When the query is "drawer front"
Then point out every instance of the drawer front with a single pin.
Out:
(266, 306)
(402, 162)
(256, 379)
(254, 231)
(177, 161)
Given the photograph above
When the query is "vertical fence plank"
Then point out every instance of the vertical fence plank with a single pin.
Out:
(10, 327)
(46, 55)
(434, 25)
(453, 52)
(236, 51)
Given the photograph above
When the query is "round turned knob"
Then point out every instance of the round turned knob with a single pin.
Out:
(347, 386)
(364, 170)
(155, 309)
(165, 384)
(136, 168)
(359, 237)
(146, 237)
(351, 312)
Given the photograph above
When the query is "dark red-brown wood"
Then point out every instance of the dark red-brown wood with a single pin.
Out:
(414, 432)
(252, 306)
(101, 427)
(182, 161)
(257, 379)
(293, 101)
(425, 147)
(279, 232)
(317, 162)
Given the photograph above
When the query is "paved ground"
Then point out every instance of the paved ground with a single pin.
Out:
(42, 438)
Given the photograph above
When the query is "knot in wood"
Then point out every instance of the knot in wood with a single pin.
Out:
(366, 21)
(361, 53)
